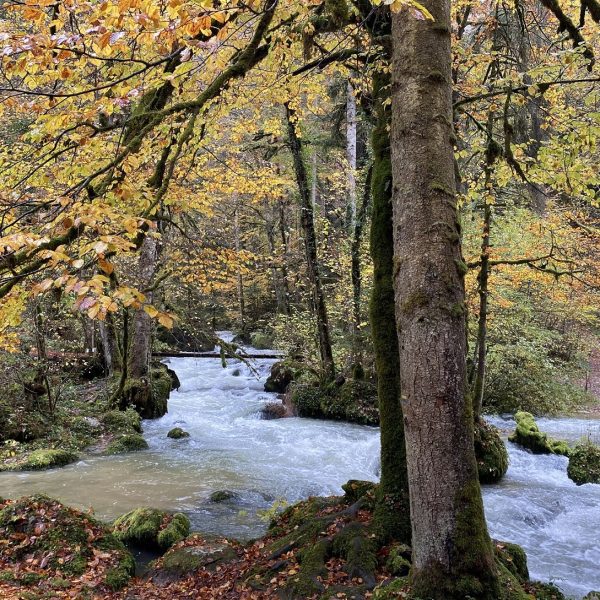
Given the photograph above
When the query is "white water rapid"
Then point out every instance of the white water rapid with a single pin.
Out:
(231, 448)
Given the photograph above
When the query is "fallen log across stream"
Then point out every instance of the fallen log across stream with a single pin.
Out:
(211, 355)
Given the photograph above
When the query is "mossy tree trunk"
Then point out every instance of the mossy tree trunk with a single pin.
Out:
(392, 511)
(310, 242)
(452, 551)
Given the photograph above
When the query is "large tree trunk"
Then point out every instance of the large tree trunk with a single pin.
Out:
(452, 552)
(310, 242)
(351, 154)
(392, 515)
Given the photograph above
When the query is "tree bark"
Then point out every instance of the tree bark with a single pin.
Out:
(142, 326)
(392, 516)
(240, 278)
(310, 242)
(452, 552)
(351, 154)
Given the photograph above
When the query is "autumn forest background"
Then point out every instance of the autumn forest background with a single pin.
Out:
(216, 180)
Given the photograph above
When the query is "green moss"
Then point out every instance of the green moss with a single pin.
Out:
(122, 421)
(415, 300)
(584, 463)
(152, 528)
(545, 591)
(177, 433)
(354, 489)
(221, 496)
(389, 590)
(490, 452)
(48, 459)
(160, 385)
(528, 435)
(592, 596)
(513, 557)
(398, 560)
(132, 442)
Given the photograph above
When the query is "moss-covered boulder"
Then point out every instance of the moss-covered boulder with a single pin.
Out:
(543, 591)
(130, 442)
(53, 547)
(592, 596)
(177, 433)
(122, 421)
(584, 464)
(151, 528)
(48, 459)
(491, 453)
(281, 376)
(189, 556)
(528, 435)
(261, 340)
(354, 401)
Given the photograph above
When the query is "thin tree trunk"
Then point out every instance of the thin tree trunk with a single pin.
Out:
(452, 555)
(142, 326)
(361, 217)
(392, 515)
(314, 180)
(240, 278)
(310, 242)
(276, 273)
(351, 153)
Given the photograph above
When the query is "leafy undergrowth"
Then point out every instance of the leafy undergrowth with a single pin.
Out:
(50, 551)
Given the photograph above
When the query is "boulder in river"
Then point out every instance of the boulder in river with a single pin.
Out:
(177, 433)
(528, 435)
(281, 376)
(151, 528)
(584, 464)
(491, 453)
(592, 596)
(222, 496)
(51, 548)
(132, 442)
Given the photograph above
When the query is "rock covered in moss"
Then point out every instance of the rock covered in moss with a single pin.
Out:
(122, 421)
(354, 489)
(584, 464)
(544, 591)
(513, 557)
(151, 528)
(48, 459)
(177, 433)
(592, 596)
(131, 442)
(281, 376)
(191, 555)
(491, 453)
(354, 401)
(64, 549)
(528, 435)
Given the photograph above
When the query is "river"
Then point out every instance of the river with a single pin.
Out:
(231, 448)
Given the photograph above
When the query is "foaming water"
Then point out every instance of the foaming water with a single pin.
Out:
(537, 506)
(231, 448)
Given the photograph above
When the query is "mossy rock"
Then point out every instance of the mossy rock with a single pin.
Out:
(197, 553)
(354, 401)
(222, 496)
(161, 385)
(354, 489)
(392, 589)
(261, 340)
(177, 433)
(592, 596)
(544, 591)
(280, 377)
(398, 560)
(65, 541)
(513, 557)
(48, 459)
(132, 442)
(584, 464)
(151, 528)
(491, 453)
(528, 435)
(122, 421)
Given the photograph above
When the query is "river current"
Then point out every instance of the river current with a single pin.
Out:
(277, 461)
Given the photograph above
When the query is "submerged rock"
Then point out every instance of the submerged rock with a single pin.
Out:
(584, 464)
(491, 453)
(63, 545)
(528, 435)
(274, 410)
(177, 433)
(222, 496)
(132, 442)
(151, 528)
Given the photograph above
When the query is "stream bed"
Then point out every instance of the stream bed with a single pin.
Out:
(276, 461)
